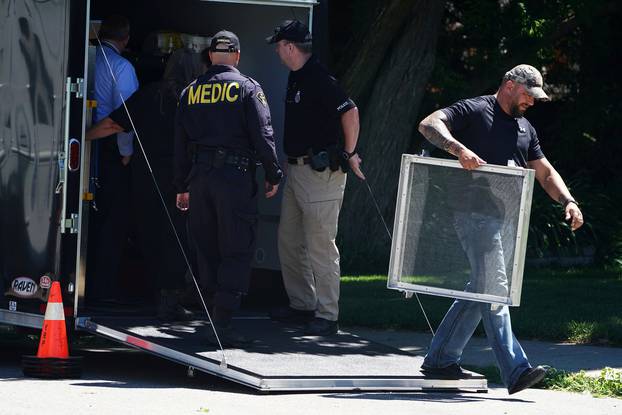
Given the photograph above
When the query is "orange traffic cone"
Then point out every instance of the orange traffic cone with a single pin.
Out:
(52, 359)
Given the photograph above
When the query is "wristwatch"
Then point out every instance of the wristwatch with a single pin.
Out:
(346, 155)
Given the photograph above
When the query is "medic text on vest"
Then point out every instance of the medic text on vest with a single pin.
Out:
(213, 93)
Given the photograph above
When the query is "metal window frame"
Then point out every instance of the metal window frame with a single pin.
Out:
(400, 230)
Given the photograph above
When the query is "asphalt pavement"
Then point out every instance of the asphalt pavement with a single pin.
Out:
(122, 381)
(562, 356)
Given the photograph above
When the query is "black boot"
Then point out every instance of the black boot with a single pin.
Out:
(321, 327)
(527, 379)
(229, 337)
(453, 371)
(287, 314)
(169, 308)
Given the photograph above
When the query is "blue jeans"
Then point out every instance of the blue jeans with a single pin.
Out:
(481, 240)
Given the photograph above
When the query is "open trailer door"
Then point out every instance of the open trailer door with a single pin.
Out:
(253, 21)
(40, 132)
(280, 358)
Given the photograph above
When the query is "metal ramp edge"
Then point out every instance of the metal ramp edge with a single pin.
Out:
(207, 365)
(284, 383)
(22, 319)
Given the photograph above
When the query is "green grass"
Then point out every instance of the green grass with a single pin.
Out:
(580, 306)
(451, 281)
(608, 383)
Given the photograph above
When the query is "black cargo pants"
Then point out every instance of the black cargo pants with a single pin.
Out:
(154, 236)
(109, 226)
(223, 223)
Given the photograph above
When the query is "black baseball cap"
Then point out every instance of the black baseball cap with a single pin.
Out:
(225, 41)
(292, 30)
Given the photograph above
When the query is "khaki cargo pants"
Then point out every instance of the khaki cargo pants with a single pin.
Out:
(307, 231)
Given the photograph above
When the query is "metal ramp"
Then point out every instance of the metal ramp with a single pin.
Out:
(281, 358)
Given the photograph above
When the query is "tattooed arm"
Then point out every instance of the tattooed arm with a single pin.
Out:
(435, 130)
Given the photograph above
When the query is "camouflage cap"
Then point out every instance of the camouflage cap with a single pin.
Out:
(530, 78)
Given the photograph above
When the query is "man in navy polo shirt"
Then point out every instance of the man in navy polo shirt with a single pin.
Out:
(480, 130)
(317, 113)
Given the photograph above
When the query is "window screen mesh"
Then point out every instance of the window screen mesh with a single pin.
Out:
(459, 233)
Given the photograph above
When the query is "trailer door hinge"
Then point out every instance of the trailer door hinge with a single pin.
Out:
(72, 224)
(77, 87)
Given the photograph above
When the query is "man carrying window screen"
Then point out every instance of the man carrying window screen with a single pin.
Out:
(480, 130)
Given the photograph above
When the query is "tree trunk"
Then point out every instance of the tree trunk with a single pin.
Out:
(373, 49)
(395, 62)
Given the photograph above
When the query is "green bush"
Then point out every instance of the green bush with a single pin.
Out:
(600, 237)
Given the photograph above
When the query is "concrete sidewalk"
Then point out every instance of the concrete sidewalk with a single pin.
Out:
(562, 356)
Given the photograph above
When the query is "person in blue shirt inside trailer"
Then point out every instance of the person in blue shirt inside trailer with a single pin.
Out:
(110, 93)
(151, 111)
(115, 81)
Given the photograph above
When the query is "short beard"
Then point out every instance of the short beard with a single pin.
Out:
(516, 112)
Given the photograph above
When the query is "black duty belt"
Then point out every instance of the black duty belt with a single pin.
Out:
(211, 158)
(298, 160)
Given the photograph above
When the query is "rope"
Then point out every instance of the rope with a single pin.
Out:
(373, 198)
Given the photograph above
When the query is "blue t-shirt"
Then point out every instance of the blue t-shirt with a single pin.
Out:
(484, 128)
(110, 93)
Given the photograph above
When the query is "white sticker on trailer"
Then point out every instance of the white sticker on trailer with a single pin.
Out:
(45, 282)
(23, 287)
